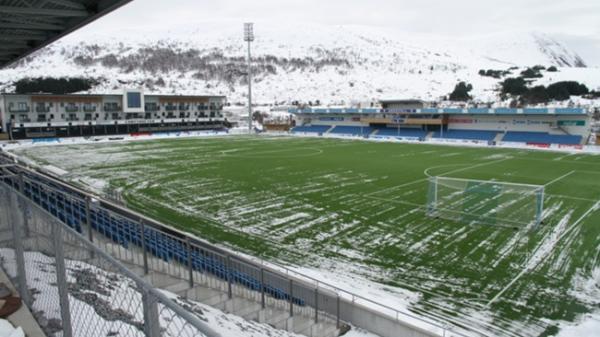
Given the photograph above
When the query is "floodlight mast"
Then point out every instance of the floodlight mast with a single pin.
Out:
(249, 37)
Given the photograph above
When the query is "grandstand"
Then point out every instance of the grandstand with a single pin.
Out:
(533, 126)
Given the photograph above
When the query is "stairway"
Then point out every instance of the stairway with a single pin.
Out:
(429, 135)
(499, 137)
(330, 129)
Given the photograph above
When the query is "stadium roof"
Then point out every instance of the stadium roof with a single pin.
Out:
(28, 25)
(446, 111)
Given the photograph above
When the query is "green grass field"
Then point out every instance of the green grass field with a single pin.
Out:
(358, 207)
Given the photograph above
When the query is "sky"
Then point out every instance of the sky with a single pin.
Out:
(575, 22)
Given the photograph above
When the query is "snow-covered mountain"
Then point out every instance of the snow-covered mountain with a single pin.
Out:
(301, 62)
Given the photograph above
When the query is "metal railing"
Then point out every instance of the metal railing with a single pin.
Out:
(162, 248)
(76, 289)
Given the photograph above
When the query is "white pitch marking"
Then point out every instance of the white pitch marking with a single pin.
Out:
(559, 178)
(426, 172)
(527, 269)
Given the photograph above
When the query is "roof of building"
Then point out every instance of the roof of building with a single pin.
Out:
(449, 111)
(26, 26)
(170, 96)
(401, 101)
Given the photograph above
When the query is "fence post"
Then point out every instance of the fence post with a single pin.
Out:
(22, 190)
(229, 290)
(144, 250)
(291, 298)
(61, 278)
(18, 241)
(262, 287)
(337, 309)
(88, 218)
(316, 305)
(88, 222)
(190, 262)
(151, 317)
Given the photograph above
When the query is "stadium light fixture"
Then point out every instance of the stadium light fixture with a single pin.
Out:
(249, 37)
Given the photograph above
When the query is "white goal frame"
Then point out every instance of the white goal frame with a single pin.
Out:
(449, 207)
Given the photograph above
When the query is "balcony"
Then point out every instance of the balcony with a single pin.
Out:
(184, 107)
(42, 109)
(112, 108)
(71, 108)
(89, 108)
(170, 107)
(151, 107)
(19, 109)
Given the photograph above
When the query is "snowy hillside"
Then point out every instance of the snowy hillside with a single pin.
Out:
(300, 62)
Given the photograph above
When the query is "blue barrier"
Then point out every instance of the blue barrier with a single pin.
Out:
(45, 140)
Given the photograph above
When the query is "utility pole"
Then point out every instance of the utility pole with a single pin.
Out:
(249, 37)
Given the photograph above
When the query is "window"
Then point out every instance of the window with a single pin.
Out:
(134, 100)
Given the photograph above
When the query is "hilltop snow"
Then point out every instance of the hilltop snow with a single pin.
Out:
(300, 62)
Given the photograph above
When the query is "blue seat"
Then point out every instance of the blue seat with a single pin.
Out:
(541, 138)
(404, 132)
(467, 135)
(311, 128)
(352, 130)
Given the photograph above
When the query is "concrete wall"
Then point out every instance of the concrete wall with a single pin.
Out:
(383, 325)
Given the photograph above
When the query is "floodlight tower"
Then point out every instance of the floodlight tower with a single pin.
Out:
(249, 37)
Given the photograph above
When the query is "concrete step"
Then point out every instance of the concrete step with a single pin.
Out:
(499, 137)
(178, 288)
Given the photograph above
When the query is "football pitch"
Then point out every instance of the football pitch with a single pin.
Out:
(357, 207)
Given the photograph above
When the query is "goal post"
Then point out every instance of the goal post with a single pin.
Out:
(471, 201)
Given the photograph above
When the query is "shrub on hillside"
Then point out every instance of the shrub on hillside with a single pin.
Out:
(514, 86)
(562, 91)
(51, 85)
(461, 92)
(535, 95)
(532, 73)
(494, 73)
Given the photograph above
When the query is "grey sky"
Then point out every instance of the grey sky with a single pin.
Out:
(575, 17)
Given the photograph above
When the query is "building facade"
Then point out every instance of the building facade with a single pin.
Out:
(44, 115)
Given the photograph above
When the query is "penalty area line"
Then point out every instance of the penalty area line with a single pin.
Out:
(559, 178)
(525, 270)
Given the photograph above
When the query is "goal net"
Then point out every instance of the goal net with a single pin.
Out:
(486, 202)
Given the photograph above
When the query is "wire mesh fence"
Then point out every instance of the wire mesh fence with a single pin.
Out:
(74, 288)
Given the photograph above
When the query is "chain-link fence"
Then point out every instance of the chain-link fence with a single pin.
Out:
(190, 267)
(74, 288)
